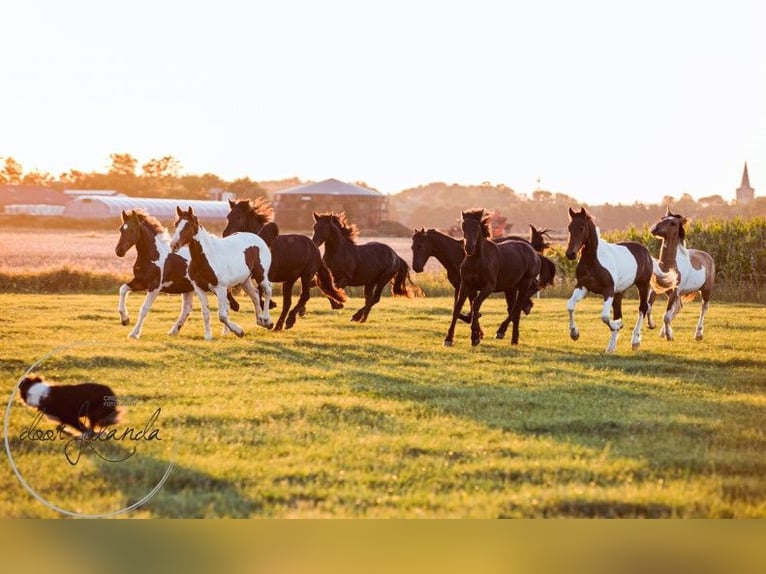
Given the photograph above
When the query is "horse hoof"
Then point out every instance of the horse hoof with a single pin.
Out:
(475, 342)
(125, 322)
(499, 335)
(636, 346)
(447, 343)
(698, 337)
(239, 333)
(575, 334)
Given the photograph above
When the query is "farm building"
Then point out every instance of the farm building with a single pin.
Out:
(293, 207)
(31, 199)
(104, 207)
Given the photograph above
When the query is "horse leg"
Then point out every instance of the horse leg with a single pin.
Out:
(476, 332)
(202, 296)
(456, 307)
(376, 293)
(186, 308)
(287, 298)
(703, 311)
(148, 301)
(612, 302)
(361, 315)
(223, 310)
(644, 293)
(266, 321)
(121, 306)
(577, 295)
(674, 306)
(521, 300)
(649, 320)
(300, 308)
(510, 301)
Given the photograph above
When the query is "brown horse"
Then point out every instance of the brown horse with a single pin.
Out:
(488, 267)
(609, 269)
(371, 264)
(450, 253)
(695, 268)
(294, 257)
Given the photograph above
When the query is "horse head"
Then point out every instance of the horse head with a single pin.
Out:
(537, 238)
(129, 233)
(580, 228)
(187, 226)
(476, 226)
(421, 249)
(248, 215)
(670, 226)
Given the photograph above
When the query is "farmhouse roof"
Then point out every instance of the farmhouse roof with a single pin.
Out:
(161, 208)
(31, 195)
(329, 187)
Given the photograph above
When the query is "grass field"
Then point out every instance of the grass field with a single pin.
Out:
(334, 419)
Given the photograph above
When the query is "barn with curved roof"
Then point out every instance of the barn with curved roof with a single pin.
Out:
(104, 207)
(293, 207)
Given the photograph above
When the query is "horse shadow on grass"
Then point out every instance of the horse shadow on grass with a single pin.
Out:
(574, 411)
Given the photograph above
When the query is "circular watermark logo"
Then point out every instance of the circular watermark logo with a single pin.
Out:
(85, 436)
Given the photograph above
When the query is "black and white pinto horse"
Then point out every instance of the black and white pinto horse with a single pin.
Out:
(696, 273)
(610, 269)
(219, 263)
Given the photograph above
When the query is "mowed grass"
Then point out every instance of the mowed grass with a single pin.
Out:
(334, 419)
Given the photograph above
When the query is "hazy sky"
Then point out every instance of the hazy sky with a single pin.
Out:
(602, 100)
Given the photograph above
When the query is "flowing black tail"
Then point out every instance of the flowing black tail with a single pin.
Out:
(547, 272)
(402, 283)
(326, 283)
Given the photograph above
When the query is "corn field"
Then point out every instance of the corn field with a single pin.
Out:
(75, 262)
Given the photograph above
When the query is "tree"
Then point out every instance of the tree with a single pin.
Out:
(12, 172)
(122, 164)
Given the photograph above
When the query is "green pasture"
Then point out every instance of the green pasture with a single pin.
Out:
(334, 419)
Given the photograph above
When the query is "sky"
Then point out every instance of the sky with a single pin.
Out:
(604, 101)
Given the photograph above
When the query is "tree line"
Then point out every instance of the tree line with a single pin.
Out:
(432, 205)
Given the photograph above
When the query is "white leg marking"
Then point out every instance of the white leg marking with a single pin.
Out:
(148, 302)
(701, 323)
(577, 295)
(266, 286)
(636, 340)
(186, 308)
(121, 306)
(612, 346)
(202, 296)
(252, 292)
(223, 311)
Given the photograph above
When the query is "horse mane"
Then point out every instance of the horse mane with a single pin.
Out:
(480, 214)
(147, 220)
(259, 208)
(681, 229)
(348, 230)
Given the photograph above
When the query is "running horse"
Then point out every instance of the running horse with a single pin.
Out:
(370, 264)
(156, 270)
(449, 252)
(217, 263)
(294, 257)
(695, 268)
(510, 266)
(609, 269)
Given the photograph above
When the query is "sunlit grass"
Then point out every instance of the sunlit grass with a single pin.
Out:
(334, 419)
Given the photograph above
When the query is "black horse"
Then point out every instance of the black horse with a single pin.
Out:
(450, 253)
(371, 264)
(511, 266)
(294, 257)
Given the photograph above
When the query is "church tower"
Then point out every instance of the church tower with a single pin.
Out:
(745, 193)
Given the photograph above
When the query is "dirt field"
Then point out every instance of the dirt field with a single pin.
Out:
(39, 249)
